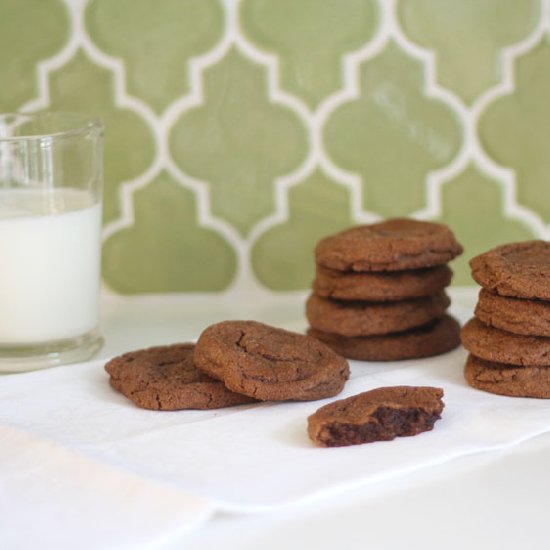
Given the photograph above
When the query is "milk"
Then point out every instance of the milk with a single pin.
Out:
(49, 265)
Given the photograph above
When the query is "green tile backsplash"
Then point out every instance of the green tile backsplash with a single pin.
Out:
(239, 132)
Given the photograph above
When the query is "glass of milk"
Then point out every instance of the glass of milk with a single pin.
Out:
(51, 171)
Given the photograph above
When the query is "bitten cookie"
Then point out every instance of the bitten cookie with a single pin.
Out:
(517, 315)
(269, 363)
(493, 344)
(438, 337)
(376, 415)
(381, 286)
(520, 270)
(507, 380)
(165, 378)
(393, 245)
(373, 318)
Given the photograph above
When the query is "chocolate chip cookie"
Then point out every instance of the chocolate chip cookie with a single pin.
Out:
(392, 245)
(376, 415)
(165, 378)
(269, 363)
(356, 318)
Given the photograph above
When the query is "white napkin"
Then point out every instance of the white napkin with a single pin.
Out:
(51, 497)
(246, 458)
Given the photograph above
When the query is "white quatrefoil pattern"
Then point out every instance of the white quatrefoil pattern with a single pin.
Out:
(240, 132)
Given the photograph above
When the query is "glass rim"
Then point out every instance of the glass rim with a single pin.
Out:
(81, 124)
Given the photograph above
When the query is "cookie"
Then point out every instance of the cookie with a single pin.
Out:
(499, 346)
(393, 245)
(381, 414)
(373, 318)
(440, 336)
(520, 270)
(508, 380)
(269, 363)
(165, 378)
(517, 315)
(381, 286)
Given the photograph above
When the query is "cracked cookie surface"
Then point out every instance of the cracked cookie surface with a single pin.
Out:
(269, 363)
(392, 245)
(165, 378)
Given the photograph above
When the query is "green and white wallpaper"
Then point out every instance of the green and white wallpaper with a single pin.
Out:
(239, 132)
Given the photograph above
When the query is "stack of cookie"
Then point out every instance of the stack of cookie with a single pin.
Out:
(379, 293)
(509, 337)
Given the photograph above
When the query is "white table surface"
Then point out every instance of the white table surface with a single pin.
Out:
(497, 499)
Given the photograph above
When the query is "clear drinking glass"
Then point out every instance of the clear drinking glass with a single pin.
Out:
(51, 172)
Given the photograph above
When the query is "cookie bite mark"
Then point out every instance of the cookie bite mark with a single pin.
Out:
(269, 363)
(381, 414)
